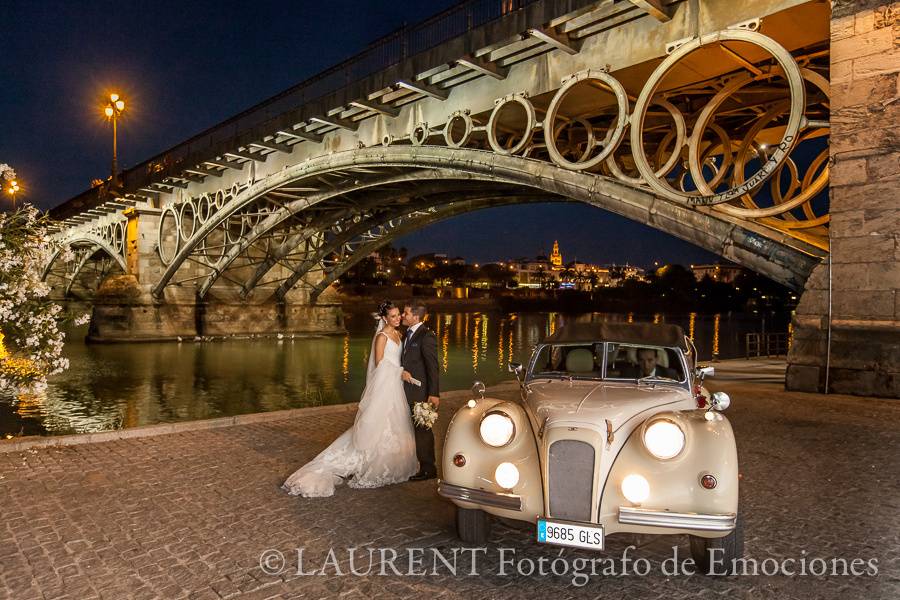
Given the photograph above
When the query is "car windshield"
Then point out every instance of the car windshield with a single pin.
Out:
(622, 362)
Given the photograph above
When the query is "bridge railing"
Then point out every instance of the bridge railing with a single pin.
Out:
(386, 52)
(767, 344)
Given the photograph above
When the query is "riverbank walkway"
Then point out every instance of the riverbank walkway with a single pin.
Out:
(197, 513)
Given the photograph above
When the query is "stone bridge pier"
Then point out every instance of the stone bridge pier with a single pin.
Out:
(125, 309)
(847, 326)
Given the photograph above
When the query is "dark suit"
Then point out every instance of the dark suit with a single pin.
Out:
(420, 359)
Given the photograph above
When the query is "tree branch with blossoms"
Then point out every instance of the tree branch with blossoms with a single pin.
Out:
(7, 173)
(30, 341)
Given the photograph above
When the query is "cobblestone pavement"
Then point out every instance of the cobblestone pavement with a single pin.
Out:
(188, 515)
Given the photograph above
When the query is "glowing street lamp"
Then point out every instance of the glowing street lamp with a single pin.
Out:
(115, 106)
(12, 190)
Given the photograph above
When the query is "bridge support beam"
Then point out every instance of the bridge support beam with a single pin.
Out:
(847, 326)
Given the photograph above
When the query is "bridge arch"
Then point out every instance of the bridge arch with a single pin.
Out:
(406, 226)
(341, 181)
(85, 249)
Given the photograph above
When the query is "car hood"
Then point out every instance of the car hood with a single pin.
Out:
(594, 402)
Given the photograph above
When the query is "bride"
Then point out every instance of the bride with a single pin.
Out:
(380, 448)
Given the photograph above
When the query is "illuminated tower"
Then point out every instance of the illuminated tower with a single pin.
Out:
(556, 257)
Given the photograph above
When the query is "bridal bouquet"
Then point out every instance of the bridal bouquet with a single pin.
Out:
(424, 414)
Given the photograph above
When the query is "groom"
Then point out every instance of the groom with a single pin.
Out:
(419, 361)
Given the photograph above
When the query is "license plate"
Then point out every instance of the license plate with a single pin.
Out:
(562, 533)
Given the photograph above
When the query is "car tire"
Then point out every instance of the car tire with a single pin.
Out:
(716, 556)
(472, 525)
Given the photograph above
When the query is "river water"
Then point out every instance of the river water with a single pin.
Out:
(126, 385)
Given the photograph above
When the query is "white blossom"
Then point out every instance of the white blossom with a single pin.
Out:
(32, 343)
(7, 172)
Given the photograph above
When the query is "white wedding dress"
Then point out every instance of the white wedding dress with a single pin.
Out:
(379, 449)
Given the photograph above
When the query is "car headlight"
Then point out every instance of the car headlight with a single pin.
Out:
(664, 439)
(497, 429)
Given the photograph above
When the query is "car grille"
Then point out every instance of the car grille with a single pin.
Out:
(571, 479)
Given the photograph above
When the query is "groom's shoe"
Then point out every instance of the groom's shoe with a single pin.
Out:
(422, 476)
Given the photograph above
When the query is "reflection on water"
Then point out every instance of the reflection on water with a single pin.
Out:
(126, 385)
(715, 342)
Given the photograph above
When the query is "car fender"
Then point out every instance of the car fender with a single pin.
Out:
(481, 459)
(675, 483)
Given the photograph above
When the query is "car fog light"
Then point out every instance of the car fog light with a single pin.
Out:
(708, 481)
(635, 489)
(507, 475)
(459, 460)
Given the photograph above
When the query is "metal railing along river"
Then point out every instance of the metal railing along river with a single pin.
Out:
(767, 344)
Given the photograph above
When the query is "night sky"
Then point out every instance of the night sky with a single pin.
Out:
(184, 66)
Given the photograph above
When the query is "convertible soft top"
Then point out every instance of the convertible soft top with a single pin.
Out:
(625, 333)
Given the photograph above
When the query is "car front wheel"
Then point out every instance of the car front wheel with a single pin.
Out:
(716, 556)
(472, 525)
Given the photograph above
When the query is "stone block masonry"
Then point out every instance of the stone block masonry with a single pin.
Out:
(120, 322)
(865, 215)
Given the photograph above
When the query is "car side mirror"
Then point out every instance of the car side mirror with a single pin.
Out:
(478, 389)
(720, 401)
(517, 369)
(704, 372)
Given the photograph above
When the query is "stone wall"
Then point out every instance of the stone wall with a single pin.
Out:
(865, 215)
(129, 322)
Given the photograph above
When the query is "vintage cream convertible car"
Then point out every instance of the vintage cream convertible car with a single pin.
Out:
(613, 433)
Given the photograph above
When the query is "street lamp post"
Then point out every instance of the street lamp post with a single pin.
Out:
(114, 107)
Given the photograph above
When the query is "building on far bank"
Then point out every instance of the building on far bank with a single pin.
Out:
(551, 272)
(721, 272)
(556, 260)
(424, 262)
(586, 276)
(618, 274)
(532, 273)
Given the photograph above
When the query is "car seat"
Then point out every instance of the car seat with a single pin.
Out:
(580, 360)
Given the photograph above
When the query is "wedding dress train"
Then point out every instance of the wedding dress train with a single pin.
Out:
(379, 449)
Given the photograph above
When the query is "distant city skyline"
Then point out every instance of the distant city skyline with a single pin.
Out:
(585, 233)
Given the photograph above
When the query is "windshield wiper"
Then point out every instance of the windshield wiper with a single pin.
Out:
(551, 373)
(655, 379)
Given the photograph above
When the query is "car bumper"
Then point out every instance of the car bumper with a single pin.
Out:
(482, 497)
(664, 518)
